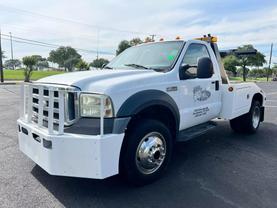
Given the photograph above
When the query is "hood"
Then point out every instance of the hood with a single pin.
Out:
(99, 80)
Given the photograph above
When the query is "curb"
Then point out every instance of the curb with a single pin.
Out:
(11, 83)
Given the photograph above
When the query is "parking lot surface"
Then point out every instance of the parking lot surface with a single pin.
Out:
(218, 169)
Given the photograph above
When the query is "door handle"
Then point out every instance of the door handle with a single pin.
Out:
(216, 85)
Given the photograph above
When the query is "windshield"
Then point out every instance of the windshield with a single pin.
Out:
(149, 56)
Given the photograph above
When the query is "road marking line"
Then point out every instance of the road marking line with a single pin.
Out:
(271, 93)
(271, 106)
(271, 100)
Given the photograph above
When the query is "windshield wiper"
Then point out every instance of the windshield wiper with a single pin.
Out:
(137, 66)
(107, 67)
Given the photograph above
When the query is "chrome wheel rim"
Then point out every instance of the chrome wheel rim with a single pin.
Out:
(150, 153)
(256, 117)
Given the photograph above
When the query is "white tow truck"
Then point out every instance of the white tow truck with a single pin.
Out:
(126, 118)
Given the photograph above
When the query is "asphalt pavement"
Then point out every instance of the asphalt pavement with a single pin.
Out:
(218, 169)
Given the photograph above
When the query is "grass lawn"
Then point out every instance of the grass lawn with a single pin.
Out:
(19, 74)
(250, 79)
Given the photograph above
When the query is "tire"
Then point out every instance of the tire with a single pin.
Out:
(146, 152)
(250, 122)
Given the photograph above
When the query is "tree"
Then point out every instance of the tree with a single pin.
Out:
(2, 54)
(244, 60)
(40, 62)
(66, 57)
(230, 63)
(249, 60)
(29, 62)
(257, 72)
(82, 65)
(135, 41)
(257, 60)
(99, 63)
(71, 62)
(274, 72)
(274, 69)
(123, 45)
(9, 64)
(38, 58)
(148, 39)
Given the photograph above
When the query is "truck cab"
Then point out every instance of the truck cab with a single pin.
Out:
(127, 117)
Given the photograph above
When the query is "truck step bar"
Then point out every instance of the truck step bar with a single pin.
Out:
(195, 131)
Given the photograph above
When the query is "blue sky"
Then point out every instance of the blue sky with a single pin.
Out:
(234, 22)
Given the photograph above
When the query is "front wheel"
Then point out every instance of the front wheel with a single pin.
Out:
(250, 122)
(147, 151)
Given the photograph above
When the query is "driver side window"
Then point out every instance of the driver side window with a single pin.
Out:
(193, 53)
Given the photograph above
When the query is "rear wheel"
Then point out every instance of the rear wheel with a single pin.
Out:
(146, 152)
(250, 122)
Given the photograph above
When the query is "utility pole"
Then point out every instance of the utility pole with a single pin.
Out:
(1, 61)
(153, 37)
(97, 51)
(269, 63)
(12, 49)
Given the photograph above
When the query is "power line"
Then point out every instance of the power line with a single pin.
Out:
(35, 41)
(49, 45)
(84, 36)
(71, 21)
(54, 47)
(35, 44)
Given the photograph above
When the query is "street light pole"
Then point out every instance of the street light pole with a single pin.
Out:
(12, 50)
(1, 62)
(269, 63)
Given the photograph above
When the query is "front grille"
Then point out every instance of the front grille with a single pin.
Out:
(45, 100)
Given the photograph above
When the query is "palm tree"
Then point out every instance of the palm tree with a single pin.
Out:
(29, 62)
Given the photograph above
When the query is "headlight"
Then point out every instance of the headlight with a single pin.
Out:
(90, 105)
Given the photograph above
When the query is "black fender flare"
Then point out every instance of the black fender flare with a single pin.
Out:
(147, 98)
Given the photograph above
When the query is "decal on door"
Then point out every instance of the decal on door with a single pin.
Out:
(200, 112)
(200, 94)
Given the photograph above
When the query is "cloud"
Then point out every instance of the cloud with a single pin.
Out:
(234, 22)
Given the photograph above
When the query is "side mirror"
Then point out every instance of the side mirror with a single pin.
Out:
(204, 68)
(182, 71)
